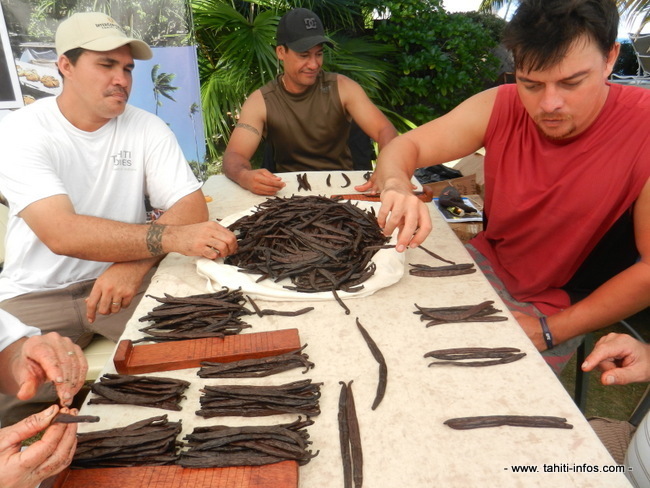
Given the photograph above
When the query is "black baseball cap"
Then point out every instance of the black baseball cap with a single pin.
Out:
(300, 29)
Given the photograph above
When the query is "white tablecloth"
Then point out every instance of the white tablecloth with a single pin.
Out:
(405, 443)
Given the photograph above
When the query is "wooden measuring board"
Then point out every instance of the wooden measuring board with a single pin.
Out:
(279, 475)
(169, 356)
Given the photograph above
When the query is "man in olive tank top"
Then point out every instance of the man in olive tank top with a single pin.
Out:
(304, 113)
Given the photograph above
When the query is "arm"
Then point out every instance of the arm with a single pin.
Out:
(117, 286)
(44, 458)
(621, 296)
(371, 120)
(452, 136)
(622, 359)
(56, 224)
(243, 143)
(30, 362)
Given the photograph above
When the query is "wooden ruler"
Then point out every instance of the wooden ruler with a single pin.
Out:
(168, 356)
(279, 475)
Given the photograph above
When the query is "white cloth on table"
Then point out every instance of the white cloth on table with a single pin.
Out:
(389, 263)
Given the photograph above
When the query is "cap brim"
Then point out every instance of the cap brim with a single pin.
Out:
(306, 43)
(139, 49)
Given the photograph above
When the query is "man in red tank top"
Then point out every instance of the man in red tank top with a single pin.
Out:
(566, 174)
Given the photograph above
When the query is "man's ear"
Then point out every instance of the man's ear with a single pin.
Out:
(612, 57)
(280, 52)
(64, 65)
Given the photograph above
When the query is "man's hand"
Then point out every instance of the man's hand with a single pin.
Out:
(401, 209)
(208, 239)
(114, 289)
(260, 181)
(369, 186)
(622, 359)
(41, 460)
(48, 357)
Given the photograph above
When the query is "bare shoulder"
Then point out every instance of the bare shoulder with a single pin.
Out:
(254, 103)
(346, 84)
(253, 113)
(351, 92)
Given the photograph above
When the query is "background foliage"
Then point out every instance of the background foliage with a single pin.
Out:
(414, 59)
(157, 22)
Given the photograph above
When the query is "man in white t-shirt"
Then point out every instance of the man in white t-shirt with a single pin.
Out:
(75, 170)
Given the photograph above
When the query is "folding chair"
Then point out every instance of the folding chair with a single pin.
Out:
(641, 45)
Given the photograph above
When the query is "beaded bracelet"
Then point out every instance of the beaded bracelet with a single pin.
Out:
(548, 338)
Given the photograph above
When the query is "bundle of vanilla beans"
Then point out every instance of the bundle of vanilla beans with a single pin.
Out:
(316, 242)
(149, 442)
(300, 397)
(145, 391)
(197, 316)
(221, 446)
(257, 367)
(481, 312)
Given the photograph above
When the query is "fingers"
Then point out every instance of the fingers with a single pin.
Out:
(91, 304)
(221, 243)
(263, 182)
(54, 451)
(104, 303)
(369, 186)
(406, 213)
(622, 359)
(113, 291)
(54, 358)
(26, 428)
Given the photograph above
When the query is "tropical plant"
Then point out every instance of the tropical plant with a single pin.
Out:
(162, 85)
(635, 10)
(200, 170)
(442, 58)
(157, 22)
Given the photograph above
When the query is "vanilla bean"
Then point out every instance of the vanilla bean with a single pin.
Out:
(66, 418)
(538, 421)
(383, 369)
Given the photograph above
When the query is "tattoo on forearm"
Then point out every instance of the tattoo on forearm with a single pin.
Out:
(154, 239)
(247, 127)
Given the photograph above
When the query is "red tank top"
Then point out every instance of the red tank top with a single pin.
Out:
(548, 203)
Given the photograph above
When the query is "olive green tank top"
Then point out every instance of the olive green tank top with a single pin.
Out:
(308, 131)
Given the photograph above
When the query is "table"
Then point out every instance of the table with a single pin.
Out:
(405, 442)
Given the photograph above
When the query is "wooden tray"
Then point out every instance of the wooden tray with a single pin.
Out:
(280, 475)
(168, 356)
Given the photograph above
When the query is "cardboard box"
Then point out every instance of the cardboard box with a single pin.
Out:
(466, 185)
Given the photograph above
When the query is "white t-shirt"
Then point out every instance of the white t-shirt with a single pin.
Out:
(105, 173)
(12, 329)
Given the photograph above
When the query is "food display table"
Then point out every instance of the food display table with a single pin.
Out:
(405, 442)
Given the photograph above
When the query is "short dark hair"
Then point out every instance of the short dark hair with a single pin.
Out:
(73, 56)
(542, 31)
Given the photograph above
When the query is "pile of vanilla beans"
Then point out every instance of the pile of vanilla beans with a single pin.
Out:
(481, 312)
(149, 442)
(257, 367)
(197, 316)
(300, 397)
(316, 242)
(145, 391)
(222, 446)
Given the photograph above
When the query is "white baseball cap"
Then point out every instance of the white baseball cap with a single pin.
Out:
(96, 31)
